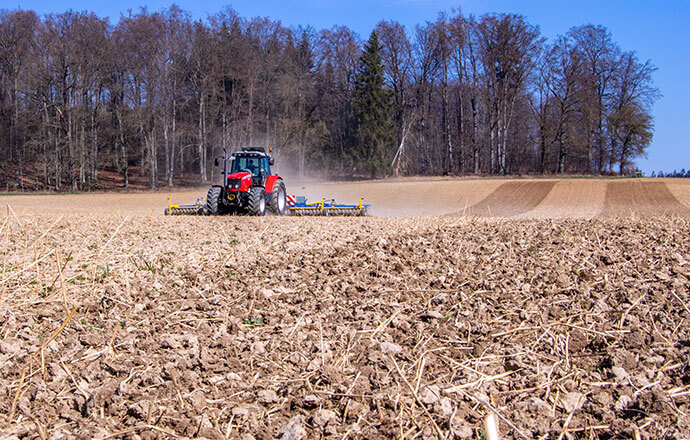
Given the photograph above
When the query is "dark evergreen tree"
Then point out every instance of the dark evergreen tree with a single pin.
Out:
(374, 138)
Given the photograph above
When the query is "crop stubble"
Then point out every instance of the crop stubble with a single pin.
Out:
(343, 327)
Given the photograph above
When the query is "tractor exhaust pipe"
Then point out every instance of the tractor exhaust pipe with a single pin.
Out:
(225, 167)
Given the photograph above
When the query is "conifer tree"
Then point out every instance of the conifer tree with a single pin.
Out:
(374, 135)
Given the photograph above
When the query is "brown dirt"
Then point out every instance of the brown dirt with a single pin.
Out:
(407, 198)
(99, 203)
(680, 188)
(641, 199)
(528, 198)
(511, 199)
(237, 327)
(571, 199)
(388, 198)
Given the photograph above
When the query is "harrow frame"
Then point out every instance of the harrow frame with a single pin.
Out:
(325, 207)
(196, 209)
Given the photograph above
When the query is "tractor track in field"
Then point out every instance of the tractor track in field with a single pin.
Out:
(680, 188)
(641, 199)
(570, 198)
(510, 199)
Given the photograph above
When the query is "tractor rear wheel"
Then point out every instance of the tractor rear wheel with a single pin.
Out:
(278, 199)
(212, 199)
(256, 205)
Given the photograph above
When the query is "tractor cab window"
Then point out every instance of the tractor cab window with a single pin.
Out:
(265, 166)
(250, 164)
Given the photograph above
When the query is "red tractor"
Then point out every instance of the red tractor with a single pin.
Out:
(248, 185)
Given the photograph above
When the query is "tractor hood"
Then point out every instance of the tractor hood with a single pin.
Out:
(240, 181)
(239, 175)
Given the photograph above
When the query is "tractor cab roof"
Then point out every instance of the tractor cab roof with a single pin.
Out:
(252, 152)
(258, 149)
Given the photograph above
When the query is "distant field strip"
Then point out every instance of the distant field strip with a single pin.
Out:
(585, 198)
(571, 198)
(511, 199)
(643, 199)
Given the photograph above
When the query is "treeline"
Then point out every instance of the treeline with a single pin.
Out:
(159, 94)
(674, 173)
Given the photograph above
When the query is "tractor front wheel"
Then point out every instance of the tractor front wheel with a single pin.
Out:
(278, 199)
(257, 201)
(212, 200)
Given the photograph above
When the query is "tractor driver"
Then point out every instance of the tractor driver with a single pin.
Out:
(251, 166)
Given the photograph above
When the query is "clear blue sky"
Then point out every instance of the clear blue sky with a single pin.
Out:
(656, 30)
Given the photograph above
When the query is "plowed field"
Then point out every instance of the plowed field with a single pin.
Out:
(560, 306)
(641, 198)
(511, 199)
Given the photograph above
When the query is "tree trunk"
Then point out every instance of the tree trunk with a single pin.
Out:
(446, 125)
(250, 117)
(173, 142)
(153, 159)
(400, 153)
(492, 142)
(561, 157)
(56, 157)
(70, 143)
(46, 141)
(125, 160)
(600, 134)
(94, 147)
(461, 132)
(542, 148)
(475, 128)
(82, 153)
(166, 147)
(590, 157)
(14, 137)
(201, 146)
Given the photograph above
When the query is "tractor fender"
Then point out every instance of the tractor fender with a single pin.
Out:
(271, 181)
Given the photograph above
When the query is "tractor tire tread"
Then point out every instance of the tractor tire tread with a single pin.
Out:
(254, 203)
(278, 191)
(212, 201)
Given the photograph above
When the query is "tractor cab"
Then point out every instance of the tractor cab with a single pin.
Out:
(258, 165)
(248, 185)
